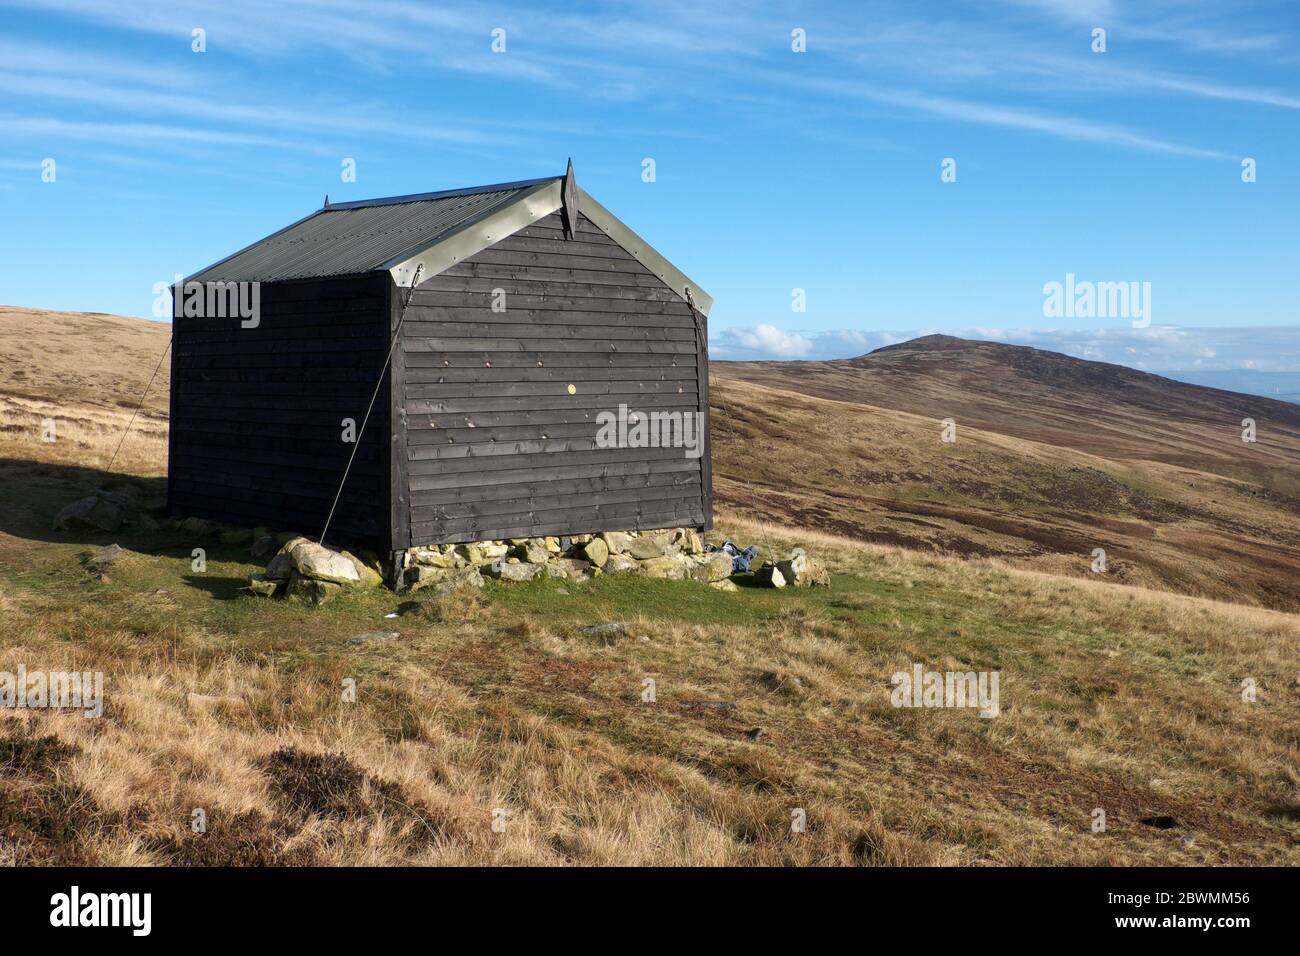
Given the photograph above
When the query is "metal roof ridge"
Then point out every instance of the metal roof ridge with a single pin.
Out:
(428, 243)
(444, 194)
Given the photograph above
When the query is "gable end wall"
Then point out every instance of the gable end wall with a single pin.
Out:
(496, 446)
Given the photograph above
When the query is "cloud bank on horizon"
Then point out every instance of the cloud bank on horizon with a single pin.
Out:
(1154, 349)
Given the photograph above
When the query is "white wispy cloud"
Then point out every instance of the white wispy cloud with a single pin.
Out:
(1209, 90)
(326, 119)
(1197, 26)
(661, 50)
(253, 26)
(636, 39)
(766, 341)
(136, 133)
(1010, 117)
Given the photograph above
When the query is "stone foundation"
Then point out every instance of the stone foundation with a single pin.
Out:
(674, 553)
(300, 568)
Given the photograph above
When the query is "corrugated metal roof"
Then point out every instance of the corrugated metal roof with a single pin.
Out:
(357, 237)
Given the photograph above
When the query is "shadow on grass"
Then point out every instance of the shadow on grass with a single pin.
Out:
(221, 589)
(35, 491)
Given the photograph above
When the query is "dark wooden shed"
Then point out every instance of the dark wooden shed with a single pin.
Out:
(534, 315)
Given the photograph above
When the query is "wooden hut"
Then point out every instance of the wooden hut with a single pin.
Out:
(487, 332)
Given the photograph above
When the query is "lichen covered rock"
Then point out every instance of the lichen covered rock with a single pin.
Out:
(369, 577)
(311, 590)
(596, 551)
(648, 546)
(801, 571)
(712, 567)
(264, 586)
(672, 566)
(518, 571)
(321, 564)
(622, 564)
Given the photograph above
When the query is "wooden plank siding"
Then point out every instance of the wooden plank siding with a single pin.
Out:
(256, 414)
(474, 434)
(495, 446)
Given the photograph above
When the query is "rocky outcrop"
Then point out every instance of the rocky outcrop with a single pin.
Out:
(689, 541)
(311, 590)
(308, 571)
(102, 558)
(319, 563)
(712, 568)
(606, 632)
(798, 570)
(196, 526)
(616, 541)
(280, 567)
(675, 567)
(370, 577)
(108, 511)
(96, 513)
(264, 586)
(648, 546)
(802, 571)
(442, 580)
(573, 568)
(98, 561)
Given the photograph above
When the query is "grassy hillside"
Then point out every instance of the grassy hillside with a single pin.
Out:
(1121, 698)
(84, 357)
(1054, 457)
(86, 373)
(1104, 410)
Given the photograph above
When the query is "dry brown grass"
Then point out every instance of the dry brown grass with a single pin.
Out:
(1105, 411)
(464, 605)
(1127, 699)
(83, 358)
(87, 373)
(880, 475)
(85, 436)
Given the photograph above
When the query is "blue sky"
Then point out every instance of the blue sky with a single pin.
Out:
(775, 170)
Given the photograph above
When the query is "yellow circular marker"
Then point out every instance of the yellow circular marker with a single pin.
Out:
(573, 389)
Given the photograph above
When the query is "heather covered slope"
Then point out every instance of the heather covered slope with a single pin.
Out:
(1054, 457)
(1106, 410)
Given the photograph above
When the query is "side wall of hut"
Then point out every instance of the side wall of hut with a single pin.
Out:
(257, 413)
(506, 363)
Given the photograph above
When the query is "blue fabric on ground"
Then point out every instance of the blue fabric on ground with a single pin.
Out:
(739, 559)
